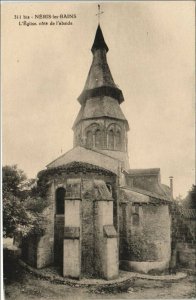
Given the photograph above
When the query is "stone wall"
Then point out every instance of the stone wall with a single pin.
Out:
(144, 235)
(37, 250)
(49, 247)
(45, 247)
(80, 133)
(29, 251)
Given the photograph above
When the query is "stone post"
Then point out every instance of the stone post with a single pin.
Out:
(72, 229)
(71, 246)
(106, 246)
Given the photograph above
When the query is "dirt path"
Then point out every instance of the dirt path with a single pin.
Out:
(20, 284)
(26, 286)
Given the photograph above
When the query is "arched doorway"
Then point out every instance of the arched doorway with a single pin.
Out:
(60, 201)
(59, 227)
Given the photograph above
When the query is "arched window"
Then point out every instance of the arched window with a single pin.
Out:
(109, 187)
(89, 139)
(135, 220)
(111, 139)
(118, 140)
(98, 139)
(60, 199)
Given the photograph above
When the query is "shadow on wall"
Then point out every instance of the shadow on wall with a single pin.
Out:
(12, 271)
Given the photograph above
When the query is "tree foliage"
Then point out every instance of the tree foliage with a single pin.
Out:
(12, 179)
(22, 206)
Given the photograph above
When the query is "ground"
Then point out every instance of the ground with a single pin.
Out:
(29, 287)
(20, 284)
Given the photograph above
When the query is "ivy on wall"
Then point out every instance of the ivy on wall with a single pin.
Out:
(141, 249)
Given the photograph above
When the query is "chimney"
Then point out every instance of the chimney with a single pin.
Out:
(171, 184)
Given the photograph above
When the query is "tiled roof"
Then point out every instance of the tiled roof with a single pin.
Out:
(83, 155)
(128, 195)
(143, 172)
(153, 196)
(75, 166)
(148, 181)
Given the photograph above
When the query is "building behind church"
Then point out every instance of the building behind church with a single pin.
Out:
(102, 215)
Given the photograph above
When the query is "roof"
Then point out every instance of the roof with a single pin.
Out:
(153, 196)
(143, 172)
(98, 107)
(75, 166)
(127, 195)
(99, 80)
(148, 180)
(83, 155)
(99, 42)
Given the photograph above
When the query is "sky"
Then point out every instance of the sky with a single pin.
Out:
(152, 60)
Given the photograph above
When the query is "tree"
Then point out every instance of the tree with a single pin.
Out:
(18, 214)
(16, 218)
(179, 199)
(12, 179)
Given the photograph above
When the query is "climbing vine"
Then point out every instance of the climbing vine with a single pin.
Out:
(141, 249)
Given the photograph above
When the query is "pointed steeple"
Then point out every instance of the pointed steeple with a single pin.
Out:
(99, 81)
(101, 124)
(99, 42)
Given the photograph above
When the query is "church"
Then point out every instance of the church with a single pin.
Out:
(101, 215)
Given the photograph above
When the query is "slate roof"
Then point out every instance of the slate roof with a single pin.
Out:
(99, 42)
(99, 80)
(98, 107)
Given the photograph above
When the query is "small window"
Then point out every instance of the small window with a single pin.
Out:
(137, 208)
(109, 187)
(89, 139)
(111, 139)
(98, 139)
(135, 219)
(60, 201)
(118, 140)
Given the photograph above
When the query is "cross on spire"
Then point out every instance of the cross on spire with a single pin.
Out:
(99, 13)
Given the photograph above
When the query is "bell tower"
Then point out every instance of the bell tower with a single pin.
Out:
(101, 125)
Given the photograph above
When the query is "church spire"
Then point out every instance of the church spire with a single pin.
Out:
(100, 82)
(99, 42)
(101, 124)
